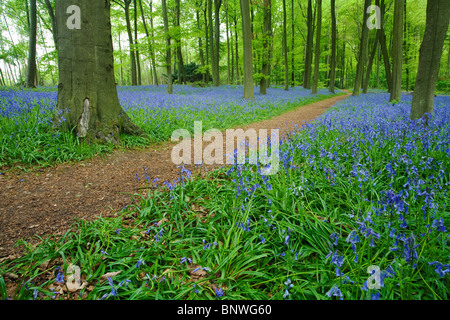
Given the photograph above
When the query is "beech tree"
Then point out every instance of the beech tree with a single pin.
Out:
(438, 15)
(87, 96)
(32, 70)
(315, 84)
(247, 45)
(397, 51)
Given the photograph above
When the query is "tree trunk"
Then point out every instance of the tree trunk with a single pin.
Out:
(200, 40)
(130, 40)
(362, 52)
(247, 45)
(87, 94)
(51, 13)
(215, 57)
(309, 48)
(181, 70)
(237, 45)
(406, 45)
(438, 15)
(285, 53)
(370, 64)
(228, 46)
(206, 43)
(32, 70)
(292, 45)
(267, 35)
(136, 47)
(333, 46)
(168, 51)
(397, 61)
(317, 51)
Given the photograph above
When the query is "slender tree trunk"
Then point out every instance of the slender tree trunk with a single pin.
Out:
(87, 94)
(333, 46)
(130, 40)
(207, 43)
(31, 75)
(362, 52)
(51, 13)
(438, 15)
(138, 62)
(237, 46)
(168, 50)
(200, 40)
(181, 70)
(397, 60)
(309, 48)
(317, 51)
(285, 53)
(292, 45)
(406, 45)
(216, 72)
(228, 45)
(384, 51)
(267, 35)
(370, 64)
(247, 45)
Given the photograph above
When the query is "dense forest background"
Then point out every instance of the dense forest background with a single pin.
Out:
(207, 34)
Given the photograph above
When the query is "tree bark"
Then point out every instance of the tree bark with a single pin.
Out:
(285, 53)
(136, 47)
(215, 57)
(317, 51)
(309, 48)
(333, 46)
(362, 52)
(247, 45)
(267, 35)
(397, 52)
(438, 15)
(168, 50)
(87, 94)
(370, 63)
(32, 69)
(130, 40)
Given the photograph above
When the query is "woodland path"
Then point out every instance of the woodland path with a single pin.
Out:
(48, 201)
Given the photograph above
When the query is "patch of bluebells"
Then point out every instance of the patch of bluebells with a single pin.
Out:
(398, 168)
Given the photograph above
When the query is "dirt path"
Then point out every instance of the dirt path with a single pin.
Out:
(47, 201)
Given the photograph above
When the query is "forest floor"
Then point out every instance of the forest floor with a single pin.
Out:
(47, 201)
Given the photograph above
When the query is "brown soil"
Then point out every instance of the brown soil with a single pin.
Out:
(48, 201)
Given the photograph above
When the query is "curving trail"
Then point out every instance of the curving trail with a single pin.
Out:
(47, 201)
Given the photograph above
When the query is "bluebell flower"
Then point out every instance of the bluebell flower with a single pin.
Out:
(218, 292)
(336, 292)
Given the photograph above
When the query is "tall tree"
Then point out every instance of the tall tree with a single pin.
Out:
(32, 69)
(168, 50)
(438, 15)
(285, 53)
(267, 39)
(308, 48)
(136, 46)
(215, 57)
(125, 4)
(87, 94)
(397, 52)
(384, 50)
(333, 46)
(181, 70)
(315, 84)
(362, 52)
(247, 45)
